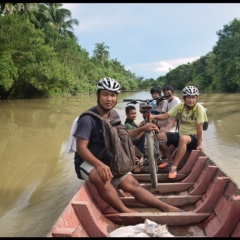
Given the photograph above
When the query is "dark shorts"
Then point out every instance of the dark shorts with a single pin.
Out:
(173, 138)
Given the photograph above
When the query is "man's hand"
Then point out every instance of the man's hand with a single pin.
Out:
(149, 127)
(104, 172)
(141, 123)
(199, 147)
(152, 117)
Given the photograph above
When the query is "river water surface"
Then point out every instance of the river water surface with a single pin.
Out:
(37, 177)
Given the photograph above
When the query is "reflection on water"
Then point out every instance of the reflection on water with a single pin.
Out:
(38, 178)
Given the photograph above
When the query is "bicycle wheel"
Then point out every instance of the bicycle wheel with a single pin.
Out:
(151, 159)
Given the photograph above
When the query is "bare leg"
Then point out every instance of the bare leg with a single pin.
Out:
(131, 185)
(163, 146)
(108, 192)
(182, 148)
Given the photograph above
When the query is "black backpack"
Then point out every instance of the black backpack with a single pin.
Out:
(119, 149)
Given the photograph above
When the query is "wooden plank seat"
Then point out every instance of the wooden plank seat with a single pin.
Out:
(162, 177)
(184, 193)
(204, 191)
(170, 218)
(196, 187)
(69, 232)
(222, 222)
(177, 201)
(83, 217)
(190, 163)
(212, 196)
(68, 225)
(92, 219)
(195, 171)
(184, 172)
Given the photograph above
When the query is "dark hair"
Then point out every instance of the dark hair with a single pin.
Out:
(155, 89)
(168, 87)
(129, 108)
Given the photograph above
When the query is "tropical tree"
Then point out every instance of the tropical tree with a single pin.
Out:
(59, 18)
(100, 52)
(227, 60)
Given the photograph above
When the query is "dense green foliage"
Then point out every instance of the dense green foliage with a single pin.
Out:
(40, 57)
(217, 71)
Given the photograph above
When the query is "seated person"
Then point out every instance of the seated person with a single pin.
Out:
(89, 143)
(157, 105)
(131, 115)
(169, 125)
(190, 133)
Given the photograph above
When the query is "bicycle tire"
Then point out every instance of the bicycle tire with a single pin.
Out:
(151, 159)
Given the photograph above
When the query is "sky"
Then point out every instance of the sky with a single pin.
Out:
(149, 39)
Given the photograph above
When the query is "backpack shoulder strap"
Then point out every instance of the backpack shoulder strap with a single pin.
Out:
(112, 115)
(90, 112)
(113, 118)
(180, 109)
(179, 114)
(195, 110)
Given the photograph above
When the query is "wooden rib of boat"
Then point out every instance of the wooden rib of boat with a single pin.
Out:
(210, 198)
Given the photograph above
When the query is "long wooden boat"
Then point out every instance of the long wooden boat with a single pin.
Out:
(210, 198)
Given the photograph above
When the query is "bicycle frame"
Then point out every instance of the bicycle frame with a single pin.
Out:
(151, 152)
(149, 149)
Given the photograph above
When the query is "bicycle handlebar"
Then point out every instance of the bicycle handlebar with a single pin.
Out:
(134, 101)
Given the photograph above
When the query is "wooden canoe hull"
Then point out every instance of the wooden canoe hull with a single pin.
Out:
(211, 201)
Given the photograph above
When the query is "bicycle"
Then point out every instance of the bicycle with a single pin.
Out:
(151, 153)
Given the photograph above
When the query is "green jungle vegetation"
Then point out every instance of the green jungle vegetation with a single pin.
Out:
(41, 57)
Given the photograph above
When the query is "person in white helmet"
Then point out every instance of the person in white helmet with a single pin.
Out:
(90, 168)
(190, 132)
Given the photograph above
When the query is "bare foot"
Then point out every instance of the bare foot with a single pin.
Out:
(173, 209)
(130, 211)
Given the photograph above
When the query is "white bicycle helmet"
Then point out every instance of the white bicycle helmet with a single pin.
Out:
(108, 83)
(190, 91)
